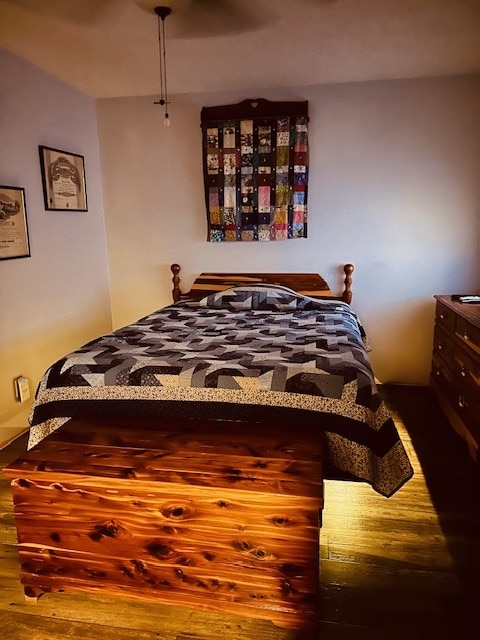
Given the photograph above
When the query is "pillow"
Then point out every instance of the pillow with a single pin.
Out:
(273, 297)
(257, 296)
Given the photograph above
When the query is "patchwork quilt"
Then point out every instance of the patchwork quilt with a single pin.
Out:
(260, 353)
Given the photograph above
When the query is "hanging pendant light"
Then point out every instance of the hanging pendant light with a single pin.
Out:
(162, 12)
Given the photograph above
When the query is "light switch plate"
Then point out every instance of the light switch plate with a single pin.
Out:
(22, 388)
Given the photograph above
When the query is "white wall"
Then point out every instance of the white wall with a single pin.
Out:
(57, 299)
(393, 188)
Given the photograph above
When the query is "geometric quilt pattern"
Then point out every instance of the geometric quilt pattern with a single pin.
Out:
(306, 362)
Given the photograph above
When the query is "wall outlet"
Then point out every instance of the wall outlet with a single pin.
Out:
(22, 389)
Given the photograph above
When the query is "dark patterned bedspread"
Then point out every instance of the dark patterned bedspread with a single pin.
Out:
(257, 353)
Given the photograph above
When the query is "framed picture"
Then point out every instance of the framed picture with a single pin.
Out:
(63, 176)
(14, 241)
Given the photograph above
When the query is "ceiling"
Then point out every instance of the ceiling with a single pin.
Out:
(109, 48)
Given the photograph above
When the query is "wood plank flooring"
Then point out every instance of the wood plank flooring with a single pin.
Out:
(403, 567)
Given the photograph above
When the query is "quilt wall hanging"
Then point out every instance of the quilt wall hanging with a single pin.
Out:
(255, 164)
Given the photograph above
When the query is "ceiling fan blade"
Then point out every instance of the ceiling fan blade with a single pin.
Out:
(216, 18)
(77, 11)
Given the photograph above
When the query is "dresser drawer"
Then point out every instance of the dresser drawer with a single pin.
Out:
(443, 346)
(441, 371)
(444, 317)
(467, 368)
(467, 406)
(469, 334)
(466, 378)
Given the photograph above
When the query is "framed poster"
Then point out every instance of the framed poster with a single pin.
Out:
(63, 176)
(14, 241)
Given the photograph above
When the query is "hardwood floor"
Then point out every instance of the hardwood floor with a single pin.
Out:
(403, 567)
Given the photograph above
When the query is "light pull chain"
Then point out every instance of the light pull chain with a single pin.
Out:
(162, 13)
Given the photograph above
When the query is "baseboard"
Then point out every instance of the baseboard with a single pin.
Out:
(401, 384)
(13, 428)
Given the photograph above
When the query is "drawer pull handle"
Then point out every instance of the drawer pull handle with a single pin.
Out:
(443, 315)
(462, 402)
(464, 372)
(440, 346)
(467, 336)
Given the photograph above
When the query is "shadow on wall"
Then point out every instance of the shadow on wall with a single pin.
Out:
(401, 337)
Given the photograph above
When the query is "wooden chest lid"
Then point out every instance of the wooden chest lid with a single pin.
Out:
(235, 455)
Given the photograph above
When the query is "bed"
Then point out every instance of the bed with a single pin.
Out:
(280, 354)
(240, 347)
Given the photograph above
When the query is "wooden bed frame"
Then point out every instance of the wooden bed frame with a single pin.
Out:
(309, 284)
(179, 511)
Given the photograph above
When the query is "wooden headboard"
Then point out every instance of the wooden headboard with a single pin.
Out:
(309, 284)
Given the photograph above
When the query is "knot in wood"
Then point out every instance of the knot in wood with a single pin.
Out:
(93, 573)
(287, 587)
(128, 473)
(177, 511)
(127, 572)
(234, 475)
(140, 567)
(158, 549)
(241, 545)
(292, 570)
(109, 529)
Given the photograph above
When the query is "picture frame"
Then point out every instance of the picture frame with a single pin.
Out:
(63, 178)
(14, 240)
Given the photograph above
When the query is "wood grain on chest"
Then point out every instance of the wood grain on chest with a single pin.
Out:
(209, 515)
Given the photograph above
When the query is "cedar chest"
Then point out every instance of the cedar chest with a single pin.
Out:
(213, 515)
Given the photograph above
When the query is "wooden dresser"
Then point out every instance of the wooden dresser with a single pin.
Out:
(455, 375)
